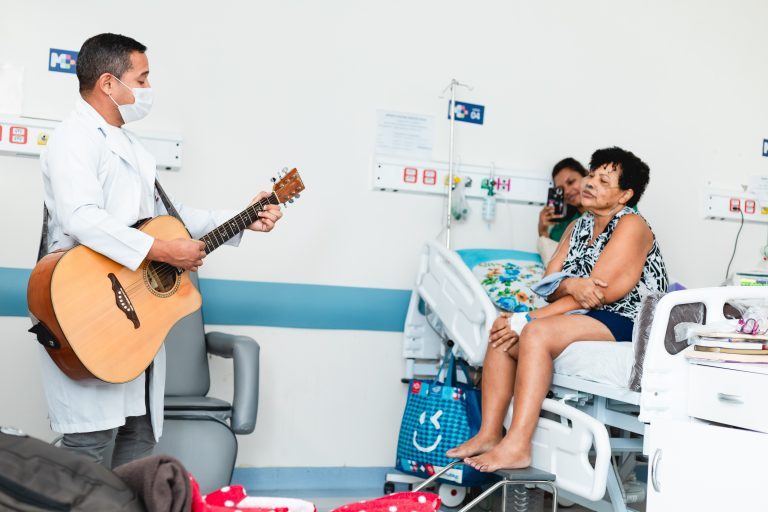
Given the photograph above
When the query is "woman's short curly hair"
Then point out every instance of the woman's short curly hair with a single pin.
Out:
(635, 173)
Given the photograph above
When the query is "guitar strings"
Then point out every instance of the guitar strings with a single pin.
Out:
(170, 269)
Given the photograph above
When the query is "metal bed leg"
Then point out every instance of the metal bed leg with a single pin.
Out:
(504, 499)
(554, 497)
(614, 491)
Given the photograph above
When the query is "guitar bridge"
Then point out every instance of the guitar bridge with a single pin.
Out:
(123, 302)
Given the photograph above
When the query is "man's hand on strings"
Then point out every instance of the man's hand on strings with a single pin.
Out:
(182, 252)
(268, 216)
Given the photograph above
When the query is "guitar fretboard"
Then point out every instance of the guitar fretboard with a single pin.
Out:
(216, 237)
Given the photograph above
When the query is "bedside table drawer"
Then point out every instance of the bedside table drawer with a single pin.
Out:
(730, 397)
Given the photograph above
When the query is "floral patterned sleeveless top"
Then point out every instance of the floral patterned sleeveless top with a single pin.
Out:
(582, 258)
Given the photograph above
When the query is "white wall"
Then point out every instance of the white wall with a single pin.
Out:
(255, 86)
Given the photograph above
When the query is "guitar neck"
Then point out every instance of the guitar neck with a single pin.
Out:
(237, 224)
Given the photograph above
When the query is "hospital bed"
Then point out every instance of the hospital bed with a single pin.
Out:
(591, 377)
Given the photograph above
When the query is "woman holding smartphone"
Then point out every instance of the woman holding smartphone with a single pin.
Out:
(566, 174)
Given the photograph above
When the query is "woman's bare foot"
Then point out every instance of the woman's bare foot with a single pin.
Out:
(481, 443)
(504, 456)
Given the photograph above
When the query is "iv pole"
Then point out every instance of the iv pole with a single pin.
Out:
(452, 111)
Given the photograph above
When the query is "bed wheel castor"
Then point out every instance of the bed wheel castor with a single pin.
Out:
(452, 495)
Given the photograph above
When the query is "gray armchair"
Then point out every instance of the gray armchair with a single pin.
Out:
(200, 430)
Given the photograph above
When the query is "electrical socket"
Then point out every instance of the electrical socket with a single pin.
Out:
(732, 205)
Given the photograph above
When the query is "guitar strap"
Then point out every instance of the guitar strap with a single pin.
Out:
(167, 202)
(43, 249)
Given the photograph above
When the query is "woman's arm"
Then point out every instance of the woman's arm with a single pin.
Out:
(558, 307)
(618, 267)
(547, 219)
(558, 259)
(621, 263)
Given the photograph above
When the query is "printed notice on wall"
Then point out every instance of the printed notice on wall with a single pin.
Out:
(11, 89)
(758, 185)
(403, 134)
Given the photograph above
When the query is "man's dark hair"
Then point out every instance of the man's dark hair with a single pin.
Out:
(568, 163)
(635, 173)
(105, 53)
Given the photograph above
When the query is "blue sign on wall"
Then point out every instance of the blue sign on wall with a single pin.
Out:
(765, 147)
(467, 112)
(63, 61)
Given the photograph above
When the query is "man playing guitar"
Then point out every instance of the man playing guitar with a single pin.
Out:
(99, 181)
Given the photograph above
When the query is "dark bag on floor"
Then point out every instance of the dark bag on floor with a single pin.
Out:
(35, 476)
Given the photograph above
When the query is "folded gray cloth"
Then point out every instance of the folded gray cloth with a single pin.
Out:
(550, 283)
(160, 481)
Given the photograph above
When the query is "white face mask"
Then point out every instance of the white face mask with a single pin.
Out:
(142, 103)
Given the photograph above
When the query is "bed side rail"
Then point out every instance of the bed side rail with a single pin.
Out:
(664, 383)
(452, 292)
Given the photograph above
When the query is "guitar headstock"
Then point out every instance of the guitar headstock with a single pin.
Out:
(288, 187)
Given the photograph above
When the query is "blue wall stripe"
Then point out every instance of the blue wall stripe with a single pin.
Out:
(303, 305)
(311, 479)
(228, 302)
(13, 291)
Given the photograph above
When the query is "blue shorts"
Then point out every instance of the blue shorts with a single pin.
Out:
(620, 326)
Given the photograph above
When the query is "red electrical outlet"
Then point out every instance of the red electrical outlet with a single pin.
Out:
(735, 204)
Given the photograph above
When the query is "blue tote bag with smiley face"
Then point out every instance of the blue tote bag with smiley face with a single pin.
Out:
(439, 415)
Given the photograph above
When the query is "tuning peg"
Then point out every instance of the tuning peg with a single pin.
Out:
(290, 201)
(298, 196)
(274, 180)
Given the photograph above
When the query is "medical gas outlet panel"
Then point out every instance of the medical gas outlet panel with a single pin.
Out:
(28, 136)
(476, 181)
(728, 203)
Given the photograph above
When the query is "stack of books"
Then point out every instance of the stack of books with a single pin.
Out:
(731, 347)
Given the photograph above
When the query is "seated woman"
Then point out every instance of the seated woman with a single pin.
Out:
(613, 256)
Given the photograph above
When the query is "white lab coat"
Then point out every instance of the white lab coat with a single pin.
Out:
(95, 188)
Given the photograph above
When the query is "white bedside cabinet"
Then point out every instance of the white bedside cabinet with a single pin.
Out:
(718, 460)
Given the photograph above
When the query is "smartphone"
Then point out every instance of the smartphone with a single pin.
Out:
(555, 198)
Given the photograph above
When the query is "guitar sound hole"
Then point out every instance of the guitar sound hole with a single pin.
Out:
(161, 277)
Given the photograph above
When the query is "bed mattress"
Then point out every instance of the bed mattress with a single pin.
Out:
(605, 362)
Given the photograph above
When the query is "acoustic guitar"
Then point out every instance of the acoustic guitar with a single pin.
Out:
(100, 320)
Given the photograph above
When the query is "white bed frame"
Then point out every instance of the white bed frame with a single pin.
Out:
(452, 293)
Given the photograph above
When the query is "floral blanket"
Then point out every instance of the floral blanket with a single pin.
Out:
(507, 276)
